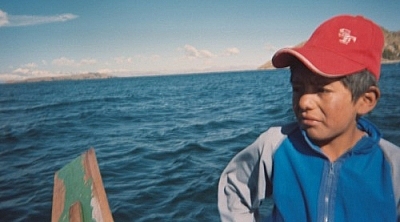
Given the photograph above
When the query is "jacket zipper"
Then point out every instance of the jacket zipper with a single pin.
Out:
(328, 194)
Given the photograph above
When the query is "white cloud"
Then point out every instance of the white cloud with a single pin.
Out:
(25, 72)
(3, 18)
(31, 65)
(21, 71)
(206, 54)
(105, 71)
(30, 72)
(123, 60)
(191, 52)
(145, 58)
(88, 62)
(63, 61)
(155, 57)
(270, 48)
(231, 51)
(116, 72)
(41, 73)
(29, 20)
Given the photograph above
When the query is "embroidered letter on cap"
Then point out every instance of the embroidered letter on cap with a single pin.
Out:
(345, 36)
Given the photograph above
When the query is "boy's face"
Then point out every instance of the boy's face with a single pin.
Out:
(323, 106)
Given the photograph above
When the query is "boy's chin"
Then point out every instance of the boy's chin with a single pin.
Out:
(315, 135)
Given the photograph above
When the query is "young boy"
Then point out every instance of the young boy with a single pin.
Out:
(332, 165)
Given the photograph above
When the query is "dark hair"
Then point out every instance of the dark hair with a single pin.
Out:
(359, 83)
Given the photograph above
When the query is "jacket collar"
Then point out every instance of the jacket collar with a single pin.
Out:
(364, 145)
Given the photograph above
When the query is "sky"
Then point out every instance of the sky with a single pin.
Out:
(147, 37)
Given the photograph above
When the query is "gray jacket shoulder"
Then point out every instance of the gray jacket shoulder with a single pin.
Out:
(392, 155)
(269, 142)
(275, 135)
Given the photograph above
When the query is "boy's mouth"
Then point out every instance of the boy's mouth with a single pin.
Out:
(308, 120)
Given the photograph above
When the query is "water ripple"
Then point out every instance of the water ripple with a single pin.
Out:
(161, 142)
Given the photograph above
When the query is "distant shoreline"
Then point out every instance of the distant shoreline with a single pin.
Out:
(390, 61)
(106, 76)
(61, 78)
(88, 76)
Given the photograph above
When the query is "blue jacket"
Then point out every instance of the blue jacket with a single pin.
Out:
(362, 185)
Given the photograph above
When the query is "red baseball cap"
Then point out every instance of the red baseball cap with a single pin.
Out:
(340, 46)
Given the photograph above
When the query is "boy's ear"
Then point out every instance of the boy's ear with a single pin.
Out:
(367, 102)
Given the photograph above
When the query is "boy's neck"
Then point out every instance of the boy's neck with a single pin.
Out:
(340, 145)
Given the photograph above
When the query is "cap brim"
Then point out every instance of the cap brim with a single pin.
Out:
(318, 60)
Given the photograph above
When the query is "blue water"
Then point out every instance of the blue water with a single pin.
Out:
(161, 142)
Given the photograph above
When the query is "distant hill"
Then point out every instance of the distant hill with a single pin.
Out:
(65, 77)
(391, 49)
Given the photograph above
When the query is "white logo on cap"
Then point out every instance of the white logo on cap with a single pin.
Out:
(345, 36)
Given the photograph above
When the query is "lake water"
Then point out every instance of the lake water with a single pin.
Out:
(161, 142)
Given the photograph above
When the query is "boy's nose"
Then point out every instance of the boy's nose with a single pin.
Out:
(306, 101)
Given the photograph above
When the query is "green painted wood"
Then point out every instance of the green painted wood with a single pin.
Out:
(76, 189)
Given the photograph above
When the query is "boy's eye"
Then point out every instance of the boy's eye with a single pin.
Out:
(322, 89)
(316, 89)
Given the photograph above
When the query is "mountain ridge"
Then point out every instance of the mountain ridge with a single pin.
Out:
(91, 75)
